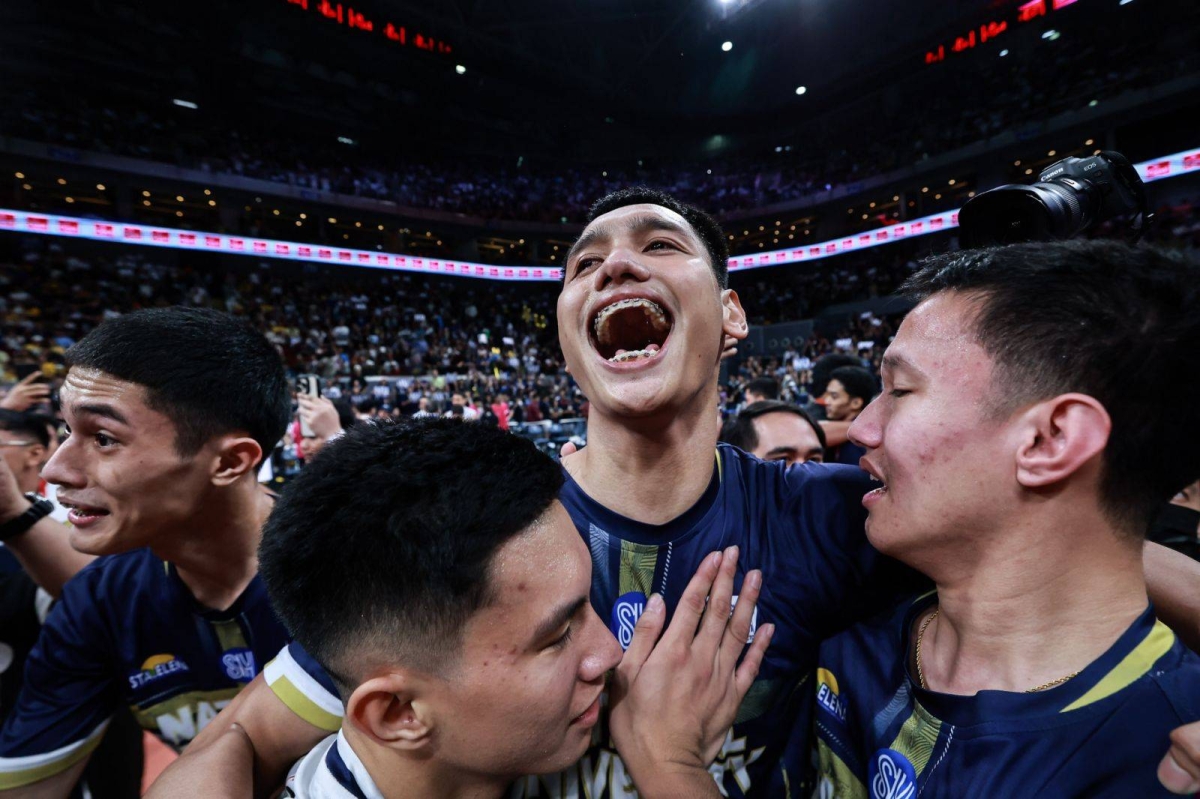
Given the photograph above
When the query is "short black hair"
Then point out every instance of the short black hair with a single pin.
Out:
(707, 229)
(210, 372)
(383, 545)
(767, 387)
(857, 381)
(739, 431)
(1116, 322)
(25, 424)
(824, 367)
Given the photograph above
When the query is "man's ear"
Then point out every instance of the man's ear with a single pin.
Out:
(34, 455)
(734, 323)
(857, 404)
(235, 456)
(1059, 437)
(386, 708)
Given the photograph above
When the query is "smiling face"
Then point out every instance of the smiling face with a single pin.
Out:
(641, 316)
(945, 457)
(525, 692)
(118, 471)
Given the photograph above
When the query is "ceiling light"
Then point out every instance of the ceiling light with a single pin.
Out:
(727, 46)
(460, 69)
(801, 89)
(185, 104)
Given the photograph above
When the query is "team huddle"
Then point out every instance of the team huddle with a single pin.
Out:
(435, 608)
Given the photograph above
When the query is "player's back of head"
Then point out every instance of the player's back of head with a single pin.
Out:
(210, 372)
(1115, 322)
(383, 544)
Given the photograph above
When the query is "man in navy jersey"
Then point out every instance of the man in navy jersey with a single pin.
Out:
(643, 315)
(170, 412)
(1030, 428)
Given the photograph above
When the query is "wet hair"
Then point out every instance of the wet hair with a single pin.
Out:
(1118, 323)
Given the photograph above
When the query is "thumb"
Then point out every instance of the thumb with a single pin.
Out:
(1175, 778)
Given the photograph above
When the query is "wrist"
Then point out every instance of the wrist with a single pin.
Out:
(674, 782)
(14, 509)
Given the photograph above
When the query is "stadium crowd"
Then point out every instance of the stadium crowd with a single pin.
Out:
(1018, 99)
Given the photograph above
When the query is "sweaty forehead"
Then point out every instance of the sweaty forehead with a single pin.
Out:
(939, 335)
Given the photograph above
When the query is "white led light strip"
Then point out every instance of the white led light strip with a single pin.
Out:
(172, 238)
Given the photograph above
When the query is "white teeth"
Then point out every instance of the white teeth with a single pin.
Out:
(653, 310)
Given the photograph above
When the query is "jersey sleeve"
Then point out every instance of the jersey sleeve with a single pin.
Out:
(301, 684)
(849, 579)
(70, 691)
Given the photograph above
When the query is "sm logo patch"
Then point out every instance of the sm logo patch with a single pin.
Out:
(625, 614)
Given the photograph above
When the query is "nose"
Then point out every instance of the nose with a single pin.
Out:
(604, 651)
(621, 266)
(867, 429)
(62, 468)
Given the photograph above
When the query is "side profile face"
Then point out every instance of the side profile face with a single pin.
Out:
(839, 405)
(786, 437)
(946, 461)
(118, 471)
(24, 456)
(641, 316)
(525, 692)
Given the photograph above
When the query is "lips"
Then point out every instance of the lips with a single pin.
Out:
(590, 715)
(81, 515)
(876, 477)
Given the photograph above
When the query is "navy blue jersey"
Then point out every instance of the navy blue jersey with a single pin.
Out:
(1100, 734)
(128, 631)
(803, 527)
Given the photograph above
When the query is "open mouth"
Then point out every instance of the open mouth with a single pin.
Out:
(631, 329)
(82, 515)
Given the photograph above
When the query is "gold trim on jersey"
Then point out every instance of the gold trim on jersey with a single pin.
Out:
(1157, 643)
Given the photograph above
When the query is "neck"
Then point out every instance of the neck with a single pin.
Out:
(216, 556)
(653, 469)
(1032, 605)
(397, 776)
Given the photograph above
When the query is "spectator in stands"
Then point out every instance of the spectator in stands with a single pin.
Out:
(776, 431)
(25, 446)
(457, 400)
(761, 388)
(170, 412)
(423, 409)
(850, 389)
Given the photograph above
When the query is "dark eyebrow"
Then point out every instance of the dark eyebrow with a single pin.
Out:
(892, 362)
(639, 223)
(780, 451)
(557, 619)
(104, 411)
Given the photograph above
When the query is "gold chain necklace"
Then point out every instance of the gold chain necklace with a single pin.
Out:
(921, 673)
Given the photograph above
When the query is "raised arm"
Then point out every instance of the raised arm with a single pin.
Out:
(1173, 582)
(43, 550)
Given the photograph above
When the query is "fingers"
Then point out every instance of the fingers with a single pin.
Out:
(748, 670)
(720, 600)
(738, 631)
(691, 603)
(568, 448)
(645, 634)
(29, 378)
(1179, 771)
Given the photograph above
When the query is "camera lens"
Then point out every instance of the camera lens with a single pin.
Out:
(1012, 214)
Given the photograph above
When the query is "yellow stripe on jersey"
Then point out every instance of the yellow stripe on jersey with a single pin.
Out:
(16, 772)
(229, 634)
(304, 707)
(1157, 643)
(636, 573)
(836, 780)
(720, 467)
(917, 737)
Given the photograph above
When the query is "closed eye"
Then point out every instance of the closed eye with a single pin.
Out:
(899, 392)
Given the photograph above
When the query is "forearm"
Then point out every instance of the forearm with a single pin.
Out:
(45, 552)
(1173, 582)
(836, 433)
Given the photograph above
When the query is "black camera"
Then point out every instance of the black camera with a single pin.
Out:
(1070, 196)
